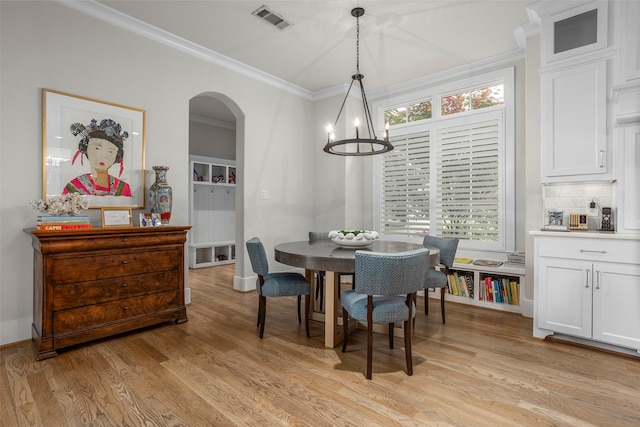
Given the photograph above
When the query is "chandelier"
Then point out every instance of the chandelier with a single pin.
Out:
(358, 146)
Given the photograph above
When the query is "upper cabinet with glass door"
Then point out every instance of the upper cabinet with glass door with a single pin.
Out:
(569, 32)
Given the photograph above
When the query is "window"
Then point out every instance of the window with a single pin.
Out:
(409, 113)
(452, 175)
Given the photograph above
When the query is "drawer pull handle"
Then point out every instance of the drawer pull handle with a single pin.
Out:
(125, 308)
(596, 252)
(124, 261)
(124, 285)
(125, 239)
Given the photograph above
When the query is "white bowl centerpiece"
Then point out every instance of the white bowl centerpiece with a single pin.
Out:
(353, 238)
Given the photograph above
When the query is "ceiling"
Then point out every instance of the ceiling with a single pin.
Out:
(400, 40)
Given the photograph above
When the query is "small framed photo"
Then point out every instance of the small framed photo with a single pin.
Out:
(117, 217)
(148, 219)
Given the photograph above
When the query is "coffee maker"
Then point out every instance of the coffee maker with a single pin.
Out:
(607, 219)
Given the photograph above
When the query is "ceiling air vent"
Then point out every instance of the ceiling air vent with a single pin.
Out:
(271, 17)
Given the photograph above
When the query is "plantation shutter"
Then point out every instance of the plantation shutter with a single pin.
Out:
(405, 185)
(468, 181)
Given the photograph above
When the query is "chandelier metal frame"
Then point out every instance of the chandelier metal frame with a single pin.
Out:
(358, 146)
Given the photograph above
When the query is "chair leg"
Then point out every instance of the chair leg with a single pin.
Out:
(299, 317)
(262, 314)
(307, 307)
(442, 303)
(426, 301)
(345, 329)
(407, 346)
(391, 326)
(408, 331)
(369, 336)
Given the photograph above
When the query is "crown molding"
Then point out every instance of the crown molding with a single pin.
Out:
(129, 23)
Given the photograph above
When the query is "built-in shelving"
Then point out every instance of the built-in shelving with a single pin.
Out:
(476, 277)
(212, 239)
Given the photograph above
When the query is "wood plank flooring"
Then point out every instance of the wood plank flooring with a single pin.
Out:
(482, 368)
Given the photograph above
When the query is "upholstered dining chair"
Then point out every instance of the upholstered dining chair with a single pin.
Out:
(276, 284)
(438, 278)
(385, 293)
(315, 236)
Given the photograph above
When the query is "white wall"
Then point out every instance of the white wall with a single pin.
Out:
(48, 45)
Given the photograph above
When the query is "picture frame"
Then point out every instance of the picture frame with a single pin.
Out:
(117, 217)
(75, 128)
(150, 219)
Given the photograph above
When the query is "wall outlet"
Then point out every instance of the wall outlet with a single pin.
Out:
(592, 209)
(264, 195)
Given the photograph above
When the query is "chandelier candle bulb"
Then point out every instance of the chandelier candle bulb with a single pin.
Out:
(357, 124)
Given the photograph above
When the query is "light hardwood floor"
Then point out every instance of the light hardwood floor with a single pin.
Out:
(482, 368)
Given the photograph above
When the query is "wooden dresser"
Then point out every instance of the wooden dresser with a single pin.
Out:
(90, 284)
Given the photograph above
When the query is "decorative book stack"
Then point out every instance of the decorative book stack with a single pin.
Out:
(70, 222)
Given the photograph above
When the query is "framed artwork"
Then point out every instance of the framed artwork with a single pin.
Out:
(117, 217)
(93, 148)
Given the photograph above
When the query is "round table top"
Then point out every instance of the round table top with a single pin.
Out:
(324, 255)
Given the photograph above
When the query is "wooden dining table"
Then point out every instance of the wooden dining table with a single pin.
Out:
(324, 255)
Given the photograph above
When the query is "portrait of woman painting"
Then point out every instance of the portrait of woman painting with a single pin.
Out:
(93, 148)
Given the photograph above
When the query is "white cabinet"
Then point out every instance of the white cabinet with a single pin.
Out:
(629, 38)
(212, 212)
(569, 32)
(588, 288)
(628, 186)
(574, 123)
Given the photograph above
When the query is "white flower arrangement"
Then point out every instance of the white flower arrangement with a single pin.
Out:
(353, 234)
(67, 204)
(353, 237)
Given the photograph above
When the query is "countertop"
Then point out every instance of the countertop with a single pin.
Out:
(589, 234)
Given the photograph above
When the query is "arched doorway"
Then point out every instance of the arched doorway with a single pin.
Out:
(216, 131)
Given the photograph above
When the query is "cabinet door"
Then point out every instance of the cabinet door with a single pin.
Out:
(574, 119)
(629, 37)
(564, 293)
(616, 304)
(629, 183)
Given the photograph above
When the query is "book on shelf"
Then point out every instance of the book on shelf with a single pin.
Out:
(62, 220)
(57, 227)
(487, 263)
(460, 284)
(516, 259)
(503, 290)
(463, 260)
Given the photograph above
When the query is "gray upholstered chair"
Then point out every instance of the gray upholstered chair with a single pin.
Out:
(385, 293)
(315, 236)
(439, 278)
(276, 284)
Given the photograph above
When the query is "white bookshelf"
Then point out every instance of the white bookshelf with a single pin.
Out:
(212, 212)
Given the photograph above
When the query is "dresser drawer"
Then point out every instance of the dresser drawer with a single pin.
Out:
(71, 295)
(623, 251)
(111, 264)
(91, 316)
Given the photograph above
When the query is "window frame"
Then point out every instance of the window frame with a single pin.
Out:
(506, 242)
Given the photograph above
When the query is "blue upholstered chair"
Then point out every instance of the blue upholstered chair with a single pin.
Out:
(439, 278)
(276, 284)
(385, 293)
(315, 236)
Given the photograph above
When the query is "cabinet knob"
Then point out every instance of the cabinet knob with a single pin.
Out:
(124, 261)
(124, 285)
(125, 307)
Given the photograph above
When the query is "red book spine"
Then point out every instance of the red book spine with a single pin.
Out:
(64, 227)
